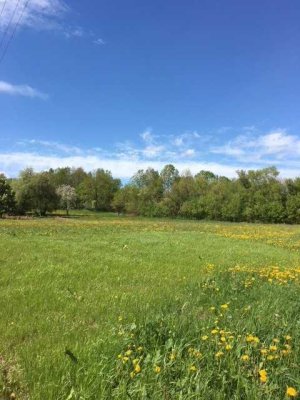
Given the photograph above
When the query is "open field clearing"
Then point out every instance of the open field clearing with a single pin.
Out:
(106, 307)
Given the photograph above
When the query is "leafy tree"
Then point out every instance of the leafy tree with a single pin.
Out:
(7, 197)
(35, 192)
(67, 195)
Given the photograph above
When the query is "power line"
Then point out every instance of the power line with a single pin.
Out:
(4, 4)
(6, 31)
(14, 29)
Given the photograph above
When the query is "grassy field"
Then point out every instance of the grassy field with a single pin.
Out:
(107, 307)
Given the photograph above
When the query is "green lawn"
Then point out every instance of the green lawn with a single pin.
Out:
(104, 307)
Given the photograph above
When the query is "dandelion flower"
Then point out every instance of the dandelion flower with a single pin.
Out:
(291, 392)
(228, 347)
(245, 357)
(219, 354)
(157, 369)
(193, 368)
(137, 368)
(263, 375)
(205, 337)
(224, 306)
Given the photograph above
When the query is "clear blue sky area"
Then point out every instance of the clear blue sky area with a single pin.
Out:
(122, 85)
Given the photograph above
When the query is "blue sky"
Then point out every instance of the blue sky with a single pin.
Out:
(207, 84)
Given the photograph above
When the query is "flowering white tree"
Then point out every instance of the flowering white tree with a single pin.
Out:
(67, 195)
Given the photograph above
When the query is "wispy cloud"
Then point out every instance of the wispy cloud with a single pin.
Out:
(50, 15)
(21, 90)
(249, 151)
(273, 146)
(37, 14)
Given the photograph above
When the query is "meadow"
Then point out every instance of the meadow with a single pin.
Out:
(98, 306)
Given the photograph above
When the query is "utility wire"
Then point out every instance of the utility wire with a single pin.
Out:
(4, 4)
(6, 31)
(14, 29)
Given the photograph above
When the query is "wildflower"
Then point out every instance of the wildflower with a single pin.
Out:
(224, 306)
(288, 337)
(128, 353)
(172, 356)
(214, 331)
(263, 376)
(137, 368)
(275, 340)
(291, 392)
(223, 339)
(125, 359)
(212, 308)
(245, 357)
(270, 358)
(193, 368)
(157, 369)
(264, 351)
(135, 361)
(205, 337)
(219, 354)
(285, 352)
(119, 356)
(228, 347)
(140, 348)
(132, 374)
(273, 348)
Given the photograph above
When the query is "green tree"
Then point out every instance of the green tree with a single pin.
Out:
(7, 197)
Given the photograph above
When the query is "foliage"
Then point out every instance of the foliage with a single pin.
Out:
(7, 197)
(67, 195)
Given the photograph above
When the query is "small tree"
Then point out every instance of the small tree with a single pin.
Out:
(7, 197)
(67, 195)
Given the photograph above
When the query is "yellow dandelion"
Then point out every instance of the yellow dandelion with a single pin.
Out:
(137, 368)
(273, 348)
(245, 357)
(193, 368)
(288, 337)
(214, 331)
(224, 306)
(263, 376)
(223, 339)
(219, 354)
(228, 347)
(264, 351)
(291, 392)
(157, 369)
(204, 337)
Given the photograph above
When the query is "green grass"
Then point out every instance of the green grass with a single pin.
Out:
(78, 293)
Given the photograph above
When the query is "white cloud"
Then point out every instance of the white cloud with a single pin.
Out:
(275, 145)
(243, 152)
(21, 90)
(41, 15)
(99, 42)
(12, 163)
(188, 153)
(38, 14)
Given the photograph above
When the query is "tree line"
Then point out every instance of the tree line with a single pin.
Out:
(253, 196)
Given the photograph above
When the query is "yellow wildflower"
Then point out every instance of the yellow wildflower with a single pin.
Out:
(214, 331)
(204, 337)
(132, 374)
(263, 375)
(245, 357)
(137, 368)
(219, 354)
(291, 392)
(228, 347)
(193, 368)
(157, 369)
(224, 306)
